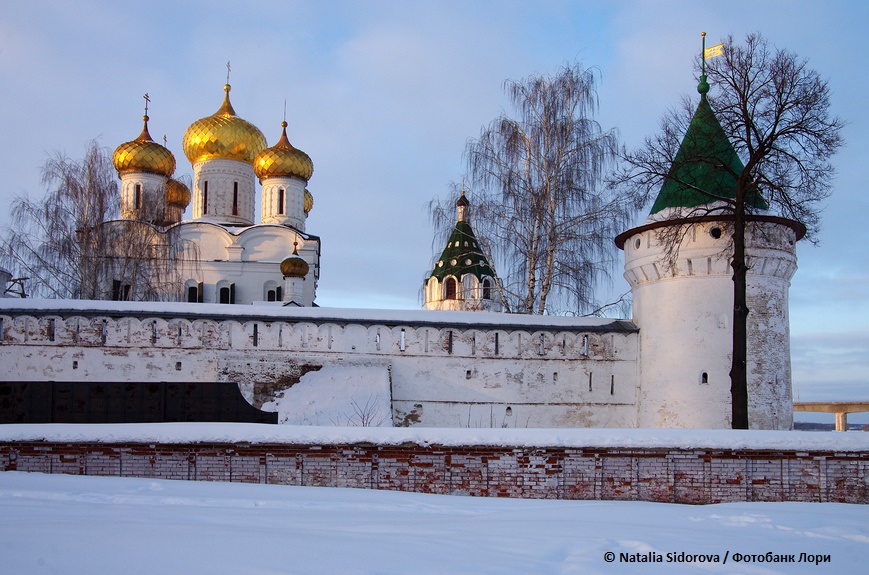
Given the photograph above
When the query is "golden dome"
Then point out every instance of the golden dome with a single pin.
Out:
(309, 201)
(283, 159)
(222, 135)
(177, 194)
(294, 266)
(143, 155)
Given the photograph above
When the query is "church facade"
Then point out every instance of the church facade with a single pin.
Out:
(235, 260)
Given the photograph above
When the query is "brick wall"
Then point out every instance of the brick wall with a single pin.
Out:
(694, 476)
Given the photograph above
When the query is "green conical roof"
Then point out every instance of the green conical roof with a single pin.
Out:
(706, 165)
(463, 254)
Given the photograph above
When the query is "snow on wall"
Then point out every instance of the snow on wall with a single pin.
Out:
(336, 395)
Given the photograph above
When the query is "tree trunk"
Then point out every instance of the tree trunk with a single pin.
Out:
(738, 368)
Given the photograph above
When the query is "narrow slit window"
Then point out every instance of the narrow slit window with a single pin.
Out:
(281, 200)
(235, 198)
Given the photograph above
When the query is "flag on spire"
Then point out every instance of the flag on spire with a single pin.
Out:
(713, 51)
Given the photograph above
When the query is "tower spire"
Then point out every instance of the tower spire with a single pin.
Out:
(703, 86)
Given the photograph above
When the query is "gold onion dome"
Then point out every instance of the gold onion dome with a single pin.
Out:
(177, 194)
(283, 159)
(309, 201)
(294, 266)
(143, 155)
(222, 135)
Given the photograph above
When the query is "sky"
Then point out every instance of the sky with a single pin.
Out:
(384, 95)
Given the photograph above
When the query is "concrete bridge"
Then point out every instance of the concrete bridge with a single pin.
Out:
(840, 408)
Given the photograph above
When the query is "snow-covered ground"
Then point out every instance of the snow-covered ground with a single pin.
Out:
(102, 525)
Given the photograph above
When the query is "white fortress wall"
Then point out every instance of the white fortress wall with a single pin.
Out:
(448, 369)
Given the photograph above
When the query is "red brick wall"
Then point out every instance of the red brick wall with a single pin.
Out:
(664, 475)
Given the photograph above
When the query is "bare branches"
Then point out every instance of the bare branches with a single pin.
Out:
(72, 245)
(540, 212)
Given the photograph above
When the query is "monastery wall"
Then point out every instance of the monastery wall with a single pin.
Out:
(442, 373)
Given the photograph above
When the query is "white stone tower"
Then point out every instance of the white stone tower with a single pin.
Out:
(683, 298)
(462, 278)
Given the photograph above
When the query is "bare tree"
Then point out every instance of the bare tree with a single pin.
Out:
(773, 158)
(540, 211)
(72, 245)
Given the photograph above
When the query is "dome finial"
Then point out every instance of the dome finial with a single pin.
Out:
(707, 53)
(462, 205)
(145, 136)
(703, 86)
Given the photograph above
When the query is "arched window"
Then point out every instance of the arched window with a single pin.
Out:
(235, 198)
(280, 200)
(137, 197)
(194, 291)
(205, 197)
(487, 288)
(450, 288)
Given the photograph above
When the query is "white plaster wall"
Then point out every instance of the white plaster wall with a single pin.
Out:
(250, 259)
(469, 295)
(294, 200)
(221, 175)
(153, 198)
(548, 378)
(685, 320)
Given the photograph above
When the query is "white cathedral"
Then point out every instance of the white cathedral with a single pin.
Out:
(667, 367)
(238, 261)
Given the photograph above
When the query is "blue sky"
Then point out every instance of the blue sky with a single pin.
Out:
(384, 95)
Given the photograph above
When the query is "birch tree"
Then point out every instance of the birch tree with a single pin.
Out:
(71, 245)
(539, 207)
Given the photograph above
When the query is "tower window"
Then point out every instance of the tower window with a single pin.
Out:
(487, 289)
(205, 197)
(235, 198)
(137, 197)
(280, 200)
(450, 288)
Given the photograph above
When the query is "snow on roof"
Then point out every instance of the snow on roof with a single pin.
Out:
(175, 433)
(321, 314)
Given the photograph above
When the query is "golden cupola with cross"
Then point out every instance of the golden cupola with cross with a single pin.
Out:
(283, 171)
(145, 168)
(222, 148)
